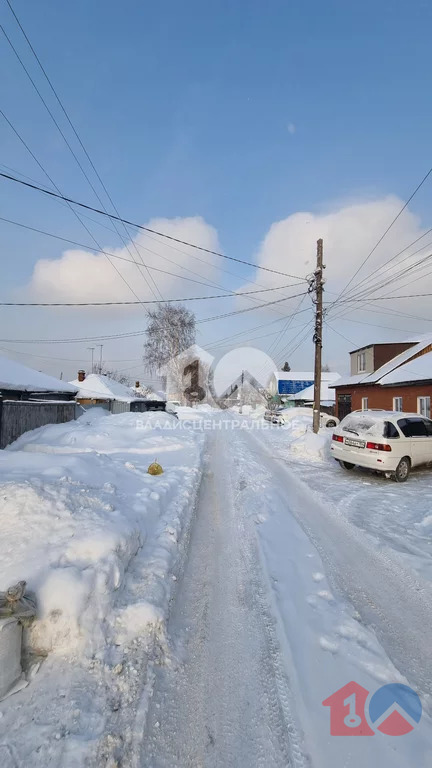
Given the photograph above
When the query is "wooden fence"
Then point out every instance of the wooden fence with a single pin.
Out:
(19, 416)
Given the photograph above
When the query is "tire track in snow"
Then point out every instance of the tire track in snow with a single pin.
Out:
(223, 699)
(390, 598)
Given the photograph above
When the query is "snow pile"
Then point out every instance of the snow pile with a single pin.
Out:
(312, 446)
(299, 439)
(75, 509)
(97, 539)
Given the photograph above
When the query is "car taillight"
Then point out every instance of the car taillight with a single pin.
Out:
(378, 447)
(338, 438)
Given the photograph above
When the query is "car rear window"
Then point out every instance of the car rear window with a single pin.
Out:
(390, 430)
(412, 427)
(366, 424)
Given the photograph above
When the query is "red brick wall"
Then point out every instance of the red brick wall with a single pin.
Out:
(382, 397)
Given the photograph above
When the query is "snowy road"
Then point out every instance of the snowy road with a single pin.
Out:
(224, 700)
(265, 627)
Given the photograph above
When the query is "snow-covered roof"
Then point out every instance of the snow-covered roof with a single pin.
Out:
(145, 393)
(327, 395)
(100, 387)
(399, 360)
(17, 377)
(344, 381)
(399, 369)
(419, 369)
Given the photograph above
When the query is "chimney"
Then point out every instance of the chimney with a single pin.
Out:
(137, 385)
(81, 375)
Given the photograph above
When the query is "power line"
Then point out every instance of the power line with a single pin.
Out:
(132, 334)
(248, 309)
(338, 333)
(77, 135)
(387, 298)
(121, 258)
(64, 138)
(210, 283)
(381, 269)
(146, 229)
(76, 214)
(379, 241)
(134, 303)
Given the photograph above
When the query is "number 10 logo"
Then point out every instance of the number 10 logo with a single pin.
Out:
(393, 709)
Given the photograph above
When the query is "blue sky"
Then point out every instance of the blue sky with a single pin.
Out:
(241, 113)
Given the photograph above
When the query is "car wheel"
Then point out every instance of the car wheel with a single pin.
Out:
(347, 465)
(402, 470)
(331, 424)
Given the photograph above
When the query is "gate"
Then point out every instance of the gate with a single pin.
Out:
(343, 406)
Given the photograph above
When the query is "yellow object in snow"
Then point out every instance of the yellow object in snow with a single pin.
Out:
(155, 469)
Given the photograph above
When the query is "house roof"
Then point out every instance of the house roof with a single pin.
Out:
(100, 387)
(419, 369)
(382, 343)
(17, 377)
(345, 381)
(399, 369)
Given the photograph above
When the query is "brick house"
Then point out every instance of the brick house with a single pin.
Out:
(395, 376)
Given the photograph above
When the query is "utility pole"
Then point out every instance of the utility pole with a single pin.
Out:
(318, 288)
(241, 393)
(92, 349)
(100, 356)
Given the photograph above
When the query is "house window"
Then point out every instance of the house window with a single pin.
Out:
(361, 362)
(423, 406)
(365, 403)
(397, 404)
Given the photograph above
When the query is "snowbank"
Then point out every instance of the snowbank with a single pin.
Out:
(76, 504)
(296, 437)
(97, 539)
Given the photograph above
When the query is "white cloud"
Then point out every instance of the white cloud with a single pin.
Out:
(79, 275)
(291, 128)
(349, 233)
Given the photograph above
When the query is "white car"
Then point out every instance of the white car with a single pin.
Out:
(284, 415)
(391, 442)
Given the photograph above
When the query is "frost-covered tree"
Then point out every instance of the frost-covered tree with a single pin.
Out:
(171, 330)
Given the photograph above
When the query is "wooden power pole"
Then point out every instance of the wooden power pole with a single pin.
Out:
(319, 288)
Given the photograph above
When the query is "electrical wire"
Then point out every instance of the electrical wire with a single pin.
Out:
(379, 241)
(130, 334)
(76, 134)
(38, 188)
(67, 142)
(134, 303)
(69, 205)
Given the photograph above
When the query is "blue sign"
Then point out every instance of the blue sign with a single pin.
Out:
(290, 387)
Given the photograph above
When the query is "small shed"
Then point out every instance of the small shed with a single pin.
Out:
(30, 399)
(105, 392)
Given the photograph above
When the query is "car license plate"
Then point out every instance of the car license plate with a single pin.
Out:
(354, 443)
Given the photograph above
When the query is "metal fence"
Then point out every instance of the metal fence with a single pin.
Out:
(19, 416)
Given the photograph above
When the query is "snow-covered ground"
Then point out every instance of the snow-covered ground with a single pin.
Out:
(99, 541)
(285, 601)
(393, 515)
(210, 640)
